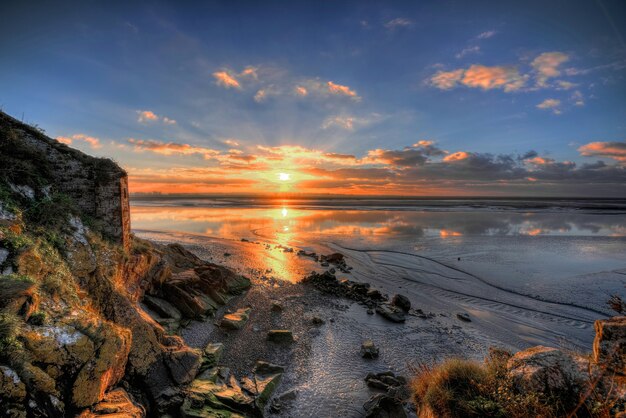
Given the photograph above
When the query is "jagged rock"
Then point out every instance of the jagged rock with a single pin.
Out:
(115, 404)
(401, 302)
(280, 336)
(609, 345)
(464, 317)
(212, 354)
(184, 364)
(369, 350)
(384, 406)
(374, 294)
(267, 377)
(551, 372)
(334, 258)
(82, 259)
(162, 307)
(391, 313)
(386, 381)
(235, 320)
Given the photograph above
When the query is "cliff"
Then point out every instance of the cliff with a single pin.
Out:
(75, 338)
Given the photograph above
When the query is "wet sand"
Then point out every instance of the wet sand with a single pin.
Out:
(324, 364)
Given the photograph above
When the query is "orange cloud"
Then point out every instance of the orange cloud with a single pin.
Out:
(90, 140)
(613, 149)
(301, 91)
(457, 156)
(340, 90)
(506, 78)
(446, 80)
(226, 80)
(146, 116)
(171, 148)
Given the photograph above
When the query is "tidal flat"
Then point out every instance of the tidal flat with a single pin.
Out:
(524, 274)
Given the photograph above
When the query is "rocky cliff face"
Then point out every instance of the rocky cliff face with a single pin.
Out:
(74, 337)
(98, 186)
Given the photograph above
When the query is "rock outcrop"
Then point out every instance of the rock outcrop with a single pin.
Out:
(74, 325)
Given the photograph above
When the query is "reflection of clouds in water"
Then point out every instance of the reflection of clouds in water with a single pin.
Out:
(284, 224)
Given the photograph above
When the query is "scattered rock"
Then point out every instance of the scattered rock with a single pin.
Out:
(235, 320)
(276, 307)
(463, 317)
(384, 406)
(401, 302)
(387, 381)
(369, 350)
(280, 336)
(391, 313)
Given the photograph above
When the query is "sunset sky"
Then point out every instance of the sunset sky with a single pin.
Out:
(341, 97)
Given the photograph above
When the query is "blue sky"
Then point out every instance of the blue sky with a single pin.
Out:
(366, 79)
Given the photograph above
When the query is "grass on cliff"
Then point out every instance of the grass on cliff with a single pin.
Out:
(468, 389)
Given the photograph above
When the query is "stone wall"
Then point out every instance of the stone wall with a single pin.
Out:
(97, 185)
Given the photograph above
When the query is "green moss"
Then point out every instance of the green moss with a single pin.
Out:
(9, 330)
(14, 241)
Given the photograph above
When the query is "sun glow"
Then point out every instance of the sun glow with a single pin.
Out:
(284, 176)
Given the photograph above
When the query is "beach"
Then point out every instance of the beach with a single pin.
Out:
(524, 274)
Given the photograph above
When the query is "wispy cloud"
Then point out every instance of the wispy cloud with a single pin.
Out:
(398, 22)
(469, 50)
(546, 66)
(480, 76)
(486, 35)
(551, 104)
(147, 116)
(226, 80)
(93, 142)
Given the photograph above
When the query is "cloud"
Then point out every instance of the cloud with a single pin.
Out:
(342, 90)
(457, 156)
(343, 122)
(469, 50)
(546, 66)
(226, 80)
(565, 85)
(479, 76)
(171, 148)
(146, 116)
(550, 104)
(168, 121)
(577, 98)
(300, 91)
(612, 149)
(398, 22)
(93, 142)
(486, 35)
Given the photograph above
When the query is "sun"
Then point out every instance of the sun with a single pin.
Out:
(284, 176)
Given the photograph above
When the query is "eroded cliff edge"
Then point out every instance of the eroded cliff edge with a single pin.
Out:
(73, 338)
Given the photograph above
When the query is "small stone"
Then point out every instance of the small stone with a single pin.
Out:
(369, 350)
(235, 320)
(370, 312)
(317, 321)
(280, 336)
(463, 317)
(276, 307)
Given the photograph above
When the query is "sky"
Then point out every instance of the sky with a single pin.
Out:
(437, 98)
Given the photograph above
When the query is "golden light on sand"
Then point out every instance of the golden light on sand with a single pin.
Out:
(284, 176)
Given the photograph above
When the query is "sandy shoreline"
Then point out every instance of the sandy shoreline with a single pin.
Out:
(324, 365)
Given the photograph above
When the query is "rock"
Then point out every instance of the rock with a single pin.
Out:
(384, 406)
(391, 313)
(276, 307)
(369, 350)
(463, 317)
(317, 321)
(212, 354)
(267, 377)
(551, 372)
(334, 258)
(235, 320)
(609, 345)
(374, 294)
(370, 312)
(280, 336)
(387, 381)
(12, 389)
(115, 404)
(162, 307)
(401, 302)
(184, 364)
(288, 396)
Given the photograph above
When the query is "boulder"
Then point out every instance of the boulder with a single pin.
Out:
(267, 377)
(464, 317)
(391, 312)
(184, 364)
(212, 354)
(384, 406)
(334, 258)
(609, 345)
(401, 302)
(388, 382)
(235, 320)
(162, 307)
(552, 372)
(280, 336)
(369, 350)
